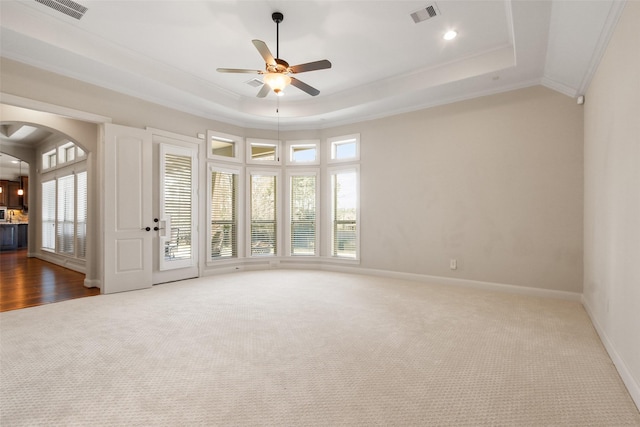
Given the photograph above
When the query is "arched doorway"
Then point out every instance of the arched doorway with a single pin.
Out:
(27, 134)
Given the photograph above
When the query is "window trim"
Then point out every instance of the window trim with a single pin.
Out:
(278, 235)
(264, 142)
(238, 144)
(328, 210)
(334, 141)
(240, 203)
(302, 143)
(287, 208)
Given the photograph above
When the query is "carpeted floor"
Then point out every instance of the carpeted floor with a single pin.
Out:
(306, 348)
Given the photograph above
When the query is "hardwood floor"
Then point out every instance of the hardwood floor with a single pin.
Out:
(27, 282)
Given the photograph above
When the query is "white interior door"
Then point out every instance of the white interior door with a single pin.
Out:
(176, 241)
(128, 219)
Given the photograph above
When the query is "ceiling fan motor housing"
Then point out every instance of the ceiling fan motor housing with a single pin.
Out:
(277, 17)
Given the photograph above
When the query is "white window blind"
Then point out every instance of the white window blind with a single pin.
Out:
(65, 229)
(81, 215)
(263, 215)
(224, 218)
(177, 205)
(344, 214)
(303, 215)
(49, 215)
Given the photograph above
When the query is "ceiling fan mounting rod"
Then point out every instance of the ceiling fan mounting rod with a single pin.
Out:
(277, 18)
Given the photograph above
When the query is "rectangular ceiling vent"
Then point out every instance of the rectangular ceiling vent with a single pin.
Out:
(431, 11)
(68, 7)
(255, 82)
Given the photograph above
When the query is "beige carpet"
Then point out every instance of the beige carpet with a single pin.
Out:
(301, 348)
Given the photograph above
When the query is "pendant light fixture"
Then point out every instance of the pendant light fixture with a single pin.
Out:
(20, 190)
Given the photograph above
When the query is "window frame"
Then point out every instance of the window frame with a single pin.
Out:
(74, 171)
(339, 140)
(278, 205)
(288, 214)
(264, 142)
(290, 145)
(240, 203)
(237, 141)
(330, 208)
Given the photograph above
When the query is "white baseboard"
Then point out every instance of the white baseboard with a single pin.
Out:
(92, 283)
(449, 281)
(627, 378)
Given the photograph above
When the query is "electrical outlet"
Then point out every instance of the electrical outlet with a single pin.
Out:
(453, 264)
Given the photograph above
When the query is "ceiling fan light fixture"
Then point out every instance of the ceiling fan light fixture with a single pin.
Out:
(450, 35)
(277, 82)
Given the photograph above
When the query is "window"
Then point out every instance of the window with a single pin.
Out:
(302, 213)
(49, 159)
(223, 146)
(64, 215)
(303, 152)
(65, 224)
(224, 213)
(81, 215)
(65, 152)
(264, 224)
(176, 205)
(344, 213)
(49, 215)
(345, 148)
(263, 151)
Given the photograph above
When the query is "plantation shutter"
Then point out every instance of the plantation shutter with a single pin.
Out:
(65, 230)
(49, 215)
(81, 216)
(303, 215)
(224, 225)
(177, 203)
(263, 215)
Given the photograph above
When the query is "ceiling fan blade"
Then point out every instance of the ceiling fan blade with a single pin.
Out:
(238, 70)
(264, 51)
(311, 66)
(264, 91)
(304, 87)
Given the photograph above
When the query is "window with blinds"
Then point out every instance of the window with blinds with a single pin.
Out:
(263, 215)
(224, 218)
(49, 215)
(303, 214)
(81, 214)
(177, 205)
(344, 192)
(65, 225)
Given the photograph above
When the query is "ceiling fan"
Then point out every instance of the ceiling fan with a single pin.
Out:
(277, 71)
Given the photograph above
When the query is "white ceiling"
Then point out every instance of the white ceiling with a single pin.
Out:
(383, 63)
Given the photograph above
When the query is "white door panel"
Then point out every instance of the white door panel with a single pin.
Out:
(127, 209)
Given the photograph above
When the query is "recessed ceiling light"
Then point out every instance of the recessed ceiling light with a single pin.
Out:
(450, 35)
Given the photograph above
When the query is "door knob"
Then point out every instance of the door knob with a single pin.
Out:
(147, 228)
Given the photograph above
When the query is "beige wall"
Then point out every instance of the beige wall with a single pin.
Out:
(494, 182)
(612, 198)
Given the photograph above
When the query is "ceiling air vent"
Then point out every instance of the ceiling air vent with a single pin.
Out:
(428, 12)
(68, 7)
(255, 82)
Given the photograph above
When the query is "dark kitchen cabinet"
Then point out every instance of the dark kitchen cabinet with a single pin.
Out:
(13, 200)
(23, 235)
(24, 181)
(4, 185)
(8, 237)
